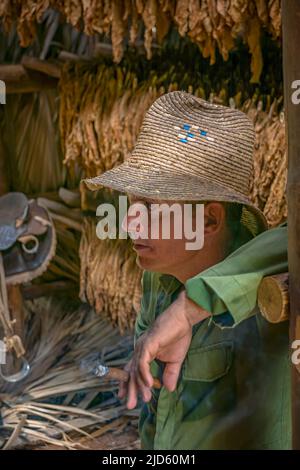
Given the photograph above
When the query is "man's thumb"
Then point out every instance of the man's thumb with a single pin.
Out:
(170, 375)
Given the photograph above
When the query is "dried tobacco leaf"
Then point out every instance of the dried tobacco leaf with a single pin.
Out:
(117, 30)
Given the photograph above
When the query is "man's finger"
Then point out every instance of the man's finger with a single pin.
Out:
(132, 393)
(123, 388)
(170, 375)
(145, 391)
(141, 387)
(144, 367)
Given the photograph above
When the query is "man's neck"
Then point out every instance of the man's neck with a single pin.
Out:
(197, 263)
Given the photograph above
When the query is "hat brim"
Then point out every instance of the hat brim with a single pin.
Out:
(154, 183)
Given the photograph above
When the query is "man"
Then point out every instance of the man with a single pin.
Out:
(224, 369)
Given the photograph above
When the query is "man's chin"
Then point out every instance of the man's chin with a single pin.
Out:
(149, 264)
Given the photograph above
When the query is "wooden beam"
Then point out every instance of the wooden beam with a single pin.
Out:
(291, 68)
(67, 56)
(20, 80)
(102, 49)
(11, 72)
(33, 291)
(70, 197)
(43, 66)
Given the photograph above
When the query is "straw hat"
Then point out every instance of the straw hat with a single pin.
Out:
(190, 149)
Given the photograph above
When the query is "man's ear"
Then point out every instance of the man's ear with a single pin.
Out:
(214, 217)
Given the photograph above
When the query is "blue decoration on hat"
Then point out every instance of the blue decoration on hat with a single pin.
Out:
(187, 133)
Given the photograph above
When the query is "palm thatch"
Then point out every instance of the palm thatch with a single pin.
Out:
(58, 397)
(29, 138)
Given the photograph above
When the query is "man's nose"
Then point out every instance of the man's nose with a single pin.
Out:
(133, 223)
(127, 222)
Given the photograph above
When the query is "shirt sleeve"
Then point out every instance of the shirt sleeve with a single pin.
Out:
(232, 284)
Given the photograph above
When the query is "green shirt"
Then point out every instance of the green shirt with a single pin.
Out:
(234, 387)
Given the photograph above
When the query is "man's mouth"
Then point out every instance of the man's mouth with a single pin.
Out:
(141, 247)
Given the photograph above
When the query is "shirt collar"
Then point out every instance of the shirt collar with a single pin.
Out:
(169, 283)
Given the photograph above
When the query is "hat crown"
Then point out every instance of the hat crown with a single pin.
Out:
(183, 134)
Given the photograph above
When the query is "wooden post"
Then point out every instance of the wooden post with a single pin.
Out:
(15, 299)
(291, 66)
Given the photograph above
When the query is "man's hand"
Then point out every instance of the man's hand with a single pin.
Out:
(168, 340)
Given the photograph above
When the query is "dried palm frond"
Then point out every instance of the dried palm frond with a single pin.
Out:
(53, 400)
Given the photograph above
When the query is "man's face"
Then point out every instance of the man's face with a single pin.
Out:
(163, 255)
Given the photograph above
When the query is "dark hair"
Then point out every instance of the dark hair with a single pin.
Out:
(240, 234)
(233, 212)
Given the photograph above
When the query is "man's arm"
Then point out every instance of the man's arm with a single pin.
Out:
(232, 284)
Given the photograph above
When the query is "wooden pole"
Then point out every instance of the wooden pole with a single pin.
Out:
(15, 299)
(291, 67)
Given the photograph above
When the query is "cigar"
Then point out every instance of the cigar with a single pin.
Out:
(114, 373)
